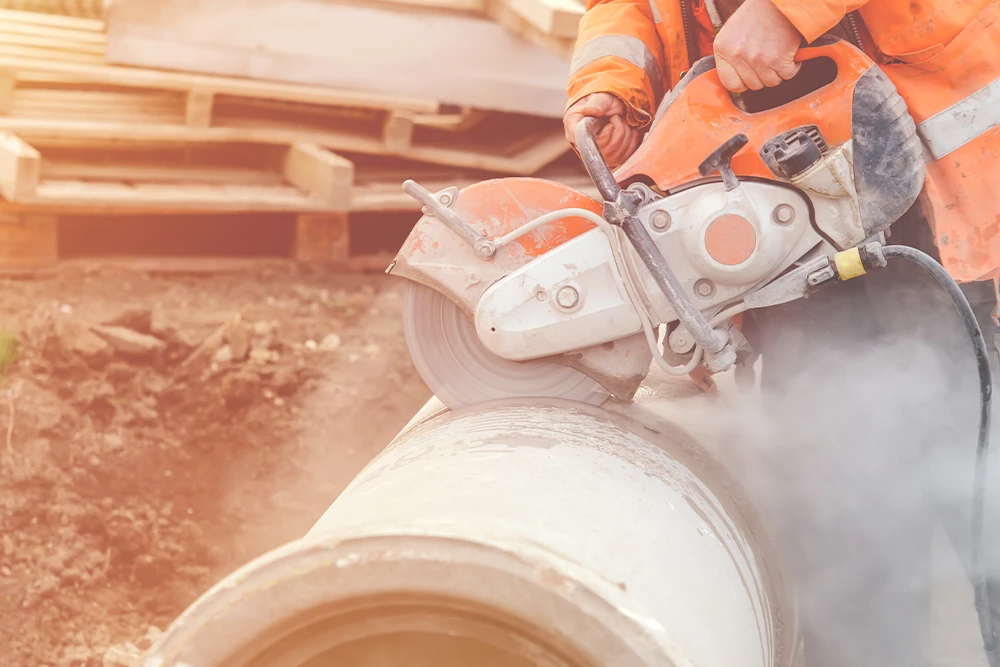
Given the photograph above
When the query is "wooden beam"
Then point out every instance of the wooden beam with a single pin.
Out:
(545, 145)
(19, 167)
(322, 238)
(8, 81)
(28, 240)
(135, 77)
(415, 54)
(558, 18)
(321, 172)
(397, 133)
(198, 108)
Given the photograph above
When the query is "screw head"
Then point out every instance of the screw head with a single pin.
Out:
(567, 297)
(660, 220)
(485, 248)
(444, 198)
(704, 288)
(783, 214)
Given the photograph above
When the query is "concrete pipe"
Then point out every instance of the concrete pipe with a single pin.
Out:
(511, 535)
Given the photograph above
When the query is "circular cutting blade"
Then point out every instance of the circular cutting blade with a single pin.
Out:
(459, 369)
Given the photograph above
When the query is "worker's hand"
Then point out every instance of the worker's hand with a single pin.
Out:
(756, 48)
(617, 139)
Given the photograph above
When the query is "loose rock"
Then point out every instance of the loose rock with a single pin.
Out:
(130, 343)
(330, 343)
(238, 338)
(223, 355)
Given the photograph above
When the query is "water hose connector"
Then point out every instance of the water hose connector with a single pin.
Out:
(859, 260)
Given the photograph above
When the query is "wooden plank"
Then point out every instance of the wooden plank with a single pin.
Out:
(322, 238)
(52, 20)
(331, 44)
(326, 175)
(8, 81)
(33, 56)
(98, 197)
(72, 170)
(558, 18)
(155, 79)
(198, 108)
(28, 240)
(543, 150)
(39, 30)
(397, 133)
(19, 165)
(52, 42)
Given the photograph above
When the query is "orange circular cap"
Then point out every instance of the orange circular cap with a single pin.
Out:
(730, 239)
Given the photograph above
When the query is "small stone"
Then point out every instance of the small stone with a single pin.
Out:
(311, 345)
(113, 441)
(5, 571)
(268, 394)
(94, 460)
(129, 342)
(260, 356)
(139, 318)
(261, 328)
(238, 338)
(223, 355)
(353, 358)
(372, 349)
(278, 401)
(330, 342)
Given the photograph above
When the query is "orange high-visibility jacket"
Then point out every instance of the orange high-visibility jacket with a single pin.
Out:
(942, 55)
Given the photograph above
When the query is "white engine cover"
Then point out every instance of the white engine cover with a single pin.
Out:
(518, 317)
(522, 317)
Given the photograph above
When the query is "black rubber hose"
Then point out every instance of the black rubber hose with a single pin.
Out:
(936, 271)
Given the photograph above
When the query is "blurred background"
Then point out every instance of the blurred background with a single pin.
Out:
(197, 201)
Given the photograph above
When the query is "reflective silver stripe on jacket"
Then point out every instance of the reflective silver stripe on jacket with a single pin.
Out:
(961, 123)
(625, 47)
(656, 11)
(713, 13)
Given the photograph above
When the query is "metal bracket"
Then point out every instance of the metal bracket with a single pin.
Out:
(440, 207)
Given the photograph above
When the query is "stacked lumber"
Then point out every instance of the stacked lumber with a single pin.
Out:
(152, 114)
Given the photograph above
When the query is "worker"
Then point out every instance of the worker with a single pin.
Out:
(857, 522)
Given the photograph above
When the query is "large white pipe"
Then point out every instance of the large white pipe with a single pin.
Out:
(513, 534)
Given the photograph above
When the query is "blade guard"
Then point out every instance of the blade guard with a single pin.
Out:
(433, 255)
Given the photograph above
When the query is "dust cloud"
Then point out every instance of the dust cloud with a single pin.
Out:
(855, 461)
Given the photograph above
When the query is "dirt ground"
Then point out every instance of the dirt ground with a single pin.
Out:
(157, 432)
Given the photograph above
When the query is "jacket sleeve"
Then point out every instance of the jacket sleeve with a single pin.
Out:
(812, 18)
(618, 51)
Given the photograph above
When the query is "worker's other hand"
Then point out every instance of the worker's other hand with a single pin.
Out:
(617, 139)
(756, 48)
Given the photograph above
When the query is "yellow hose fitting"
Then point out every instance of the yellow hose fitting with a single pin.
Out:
(849, 264)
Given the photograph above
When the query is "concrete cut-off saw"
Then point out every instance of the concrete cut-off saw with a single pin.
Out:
(525, 287)
(522, 287)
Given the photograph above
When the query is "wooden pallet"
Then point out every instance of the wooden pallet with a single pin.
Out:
(44, 186)
(54, 86)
